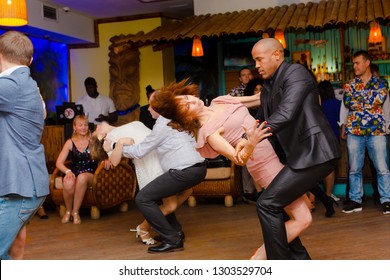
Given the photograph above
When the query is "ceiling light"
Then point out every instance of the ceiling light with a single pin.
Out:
(375, 35)
(13, 12)
(197, 49)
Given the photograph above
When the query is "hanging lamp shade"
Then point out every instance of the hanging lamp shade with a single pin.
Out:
(279, 35)
(197, 49)
(375, 33)
(13, 12)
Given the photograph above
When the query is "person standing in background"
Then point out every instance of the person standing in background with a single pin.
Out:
(331, 109)
(97, 107)
(364, 98)
(250, 194)
(24, 180)
(343, 120)
(145, 116)
(244, 76)
(251, 191)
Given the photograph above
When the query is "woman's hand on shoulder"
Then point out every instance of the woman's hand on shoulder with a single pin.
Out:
(126, 141)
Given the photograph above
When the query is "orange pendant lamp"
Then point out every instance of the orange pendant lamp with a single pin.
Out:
(197, 49)
(375, 33)
(279, 35)
(13, 12)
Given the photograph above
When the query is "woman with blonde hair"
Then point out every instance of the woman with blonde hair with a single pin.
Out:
(80, 174)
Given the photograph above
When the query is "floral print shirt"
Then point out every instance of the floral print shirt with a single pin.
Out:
(364, 104)
(238, 91)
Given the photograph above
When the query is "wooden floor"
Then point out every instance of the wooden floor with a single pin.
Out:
(213, 232)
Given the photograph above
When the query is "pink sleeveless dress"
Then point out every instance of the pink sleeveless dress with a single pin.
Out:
(265, 164)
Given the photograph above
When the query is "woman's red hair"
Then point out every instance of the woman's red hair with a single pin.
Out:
(165, 103)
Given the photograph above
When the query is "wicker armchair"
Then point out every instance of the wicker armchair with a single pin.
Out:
(109, 188)
(219, 182)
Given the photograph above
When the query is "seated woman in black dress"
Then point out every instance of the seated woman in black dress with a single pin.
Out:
(80, 175)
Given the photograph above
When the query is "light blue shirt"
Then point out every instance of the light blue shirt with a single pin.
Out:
(22, 166)
(175, 149)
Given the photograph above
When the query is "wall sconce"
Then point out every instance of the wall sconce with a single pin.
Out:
(197, 49)
(13, 12)
(375, 33)
(279, 35)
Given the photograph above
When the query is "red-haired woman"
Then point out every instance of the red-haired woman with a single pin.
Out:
(219, 128)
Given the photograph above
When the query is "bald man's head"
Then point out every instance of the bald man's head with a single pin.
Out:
(268, 54)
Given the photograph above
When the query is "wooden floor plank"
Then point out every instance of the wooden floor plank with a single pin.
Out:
(213, 232)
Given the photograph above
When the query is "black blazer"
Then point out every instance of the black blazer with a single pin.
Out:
(290, 105)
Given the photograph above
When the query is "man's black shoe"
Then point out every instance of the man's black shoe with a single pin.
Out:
(167, 247)
(159, 238)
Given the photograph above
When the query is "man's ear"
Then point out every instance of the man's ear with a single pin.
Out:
(277, 55)
(30, 61)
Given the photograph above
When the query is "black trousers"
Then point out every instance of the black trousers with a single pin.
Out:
(170, 183)
(286, 187)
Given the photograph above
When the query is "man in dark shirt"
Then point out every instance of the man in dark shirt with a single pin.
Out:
(145, 117)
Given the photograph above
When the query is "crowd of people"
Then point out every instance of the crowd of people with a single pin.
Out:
(282, 127)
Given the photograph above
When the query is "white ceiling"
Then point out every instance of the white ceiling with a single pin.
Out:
(99, 9)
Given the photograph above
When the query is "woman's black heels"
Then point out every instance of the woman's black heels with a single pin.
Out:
(42, 214)
(329, 207)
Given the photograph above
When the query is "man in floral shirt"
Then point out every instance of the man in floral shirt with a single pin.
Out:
(244, 76)
(366, 128)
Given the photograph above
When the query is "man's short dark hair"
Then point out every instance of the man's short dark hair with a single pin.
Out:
(241, 69)
(374, 68)
(149, 90)
(365, 55)
(90, 82)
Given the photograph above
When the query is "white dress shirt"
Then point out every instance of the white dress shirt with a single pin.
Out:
(175, 149)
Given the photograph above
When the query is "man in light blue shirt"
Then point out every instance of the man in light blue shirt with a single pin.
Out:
(183, 168)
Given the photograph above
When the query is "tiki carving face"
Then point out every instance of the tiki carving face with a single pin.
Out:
(124, 76)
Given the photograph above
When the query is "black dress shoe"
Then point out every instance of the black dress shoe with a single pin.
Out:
(159, 238)
(167, 247)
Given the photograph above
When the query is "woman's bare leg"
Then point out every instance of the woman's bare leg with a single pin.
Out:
(83, 180)
(300, 219)
(17, 248)
(68, 193)
(329, 183)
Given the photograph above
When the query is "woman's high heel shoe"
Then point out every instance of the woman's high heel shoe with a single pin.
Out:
(141, 233)
(329, 207)
(42, 214)
(76, 218)
(66, 217)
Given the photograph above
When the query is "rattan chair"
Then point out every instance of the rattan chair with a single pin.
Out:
(221, 182)
(109, 188)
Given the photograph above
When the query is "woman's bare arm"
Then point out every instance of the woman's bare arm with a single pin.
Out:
(250, 101)
(221, 146)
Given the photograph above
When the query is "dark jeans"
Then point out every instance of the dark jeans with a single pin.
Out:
(170, 183)
(286, 187)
